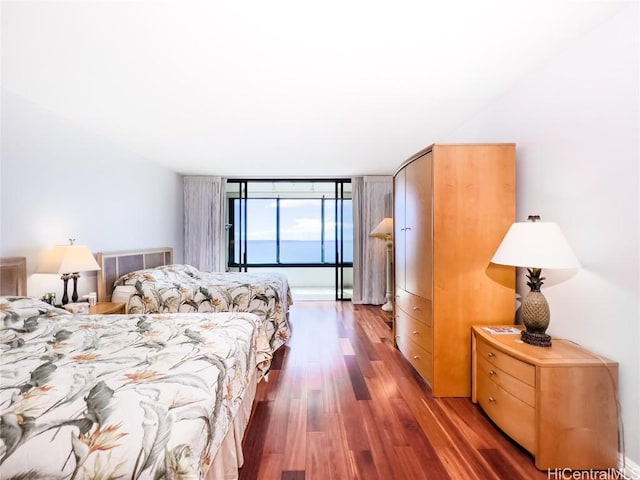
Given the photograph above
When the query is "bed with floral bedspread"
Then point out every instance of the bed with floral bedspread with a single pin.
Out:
(183, 288)
(120, 396)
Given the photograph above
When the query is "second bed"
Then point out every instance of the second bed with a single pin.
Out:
(148, 282)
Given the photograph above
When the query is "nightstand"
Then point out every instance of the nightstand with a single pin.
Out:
(558, 402)
(106, 308)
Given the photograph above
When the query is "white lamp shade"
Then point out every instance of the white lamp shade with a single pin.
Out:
(535, 245)
(384, 228)
(68, 259)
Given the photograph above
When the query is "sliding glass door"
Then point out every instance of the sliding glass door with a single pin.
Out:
(302, 226)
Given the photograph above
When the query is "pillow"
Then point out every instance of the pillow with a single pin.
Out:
(122, 293)
(19, 308)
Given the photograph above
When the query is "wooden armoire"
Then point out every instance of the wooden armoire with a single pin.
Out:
(453, 204)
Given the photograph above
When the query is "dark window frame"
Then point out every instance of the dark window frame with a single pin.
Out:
(234, 262)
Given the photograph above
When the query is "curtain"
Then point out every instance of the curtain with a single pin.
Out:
(372, 201)
(204, 223)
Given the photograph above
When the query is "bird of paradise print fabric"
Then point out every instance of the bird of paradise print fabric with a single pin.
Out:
(121, 396)
(183, 288)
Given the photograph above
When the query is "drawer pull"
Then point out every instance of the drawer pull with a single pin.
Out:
(416, 308)
(491, 372)
(415, 332)
(491, 354)
(492, 400)
(416, 357)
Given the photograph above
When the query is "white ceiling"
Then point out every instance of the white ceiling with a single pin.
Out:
(279, 87)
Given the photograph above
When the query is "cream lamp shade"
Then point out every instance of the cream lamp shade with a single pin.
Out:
(68, 260)
(535, 245)
(384, 228)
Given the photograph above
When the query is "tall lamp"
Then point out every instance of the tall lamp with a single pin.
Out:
(535, 245)
(68, 260)
(385, 230)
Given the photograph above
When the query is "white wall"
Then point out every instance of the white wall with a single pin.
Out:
(59, 181)
(576, 124)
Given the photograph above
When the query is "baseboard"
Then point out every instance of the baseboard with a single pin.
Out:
(630, 469)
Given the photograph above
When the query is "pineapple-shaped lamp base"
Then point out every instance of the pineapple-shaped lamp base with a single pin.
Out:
(535, 312)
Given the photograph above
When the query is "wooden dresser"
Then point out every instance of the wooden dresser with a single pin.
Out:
(558, 402)
(453, 204)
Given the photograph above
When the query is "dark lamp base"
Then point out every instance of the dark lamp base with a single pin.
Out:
(537, 339)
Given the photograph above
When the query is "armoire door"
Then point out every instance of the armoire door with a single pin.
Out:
(419, 226)
(398, 229)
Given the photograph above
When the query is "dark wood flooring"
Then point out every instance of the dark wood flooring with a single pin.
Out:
(341, 403)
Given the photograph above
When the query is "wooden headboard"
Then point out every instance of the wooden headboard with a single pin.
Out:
(13, 276)
(115, 264)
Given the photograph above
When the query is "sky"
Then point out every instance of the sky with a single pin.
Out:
(300, 219)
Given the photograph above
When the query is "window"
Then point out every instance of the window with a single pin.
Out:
(307, 227)
(261, 230)
(301, 231)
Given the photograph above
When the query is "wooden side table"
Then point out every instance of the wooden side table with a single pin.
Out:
(107, 308)
(558, 402)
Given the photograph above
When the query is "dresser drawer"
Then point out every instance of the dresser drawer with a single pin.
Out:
(523, 371)
(512, 415)
(420, 333)
(416, 306)
(421, 359)
(507, 382)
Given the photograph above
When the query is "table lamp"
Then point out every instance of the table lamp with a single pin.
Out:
(535, 245)
(68, 260)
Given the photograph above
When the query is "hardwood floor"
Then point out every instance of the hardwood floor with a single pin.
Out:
(341, 403)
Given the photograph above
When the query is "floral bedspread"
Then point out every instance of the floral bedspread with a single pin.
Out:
(183, 288)
(120, 396)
